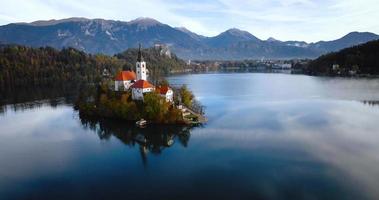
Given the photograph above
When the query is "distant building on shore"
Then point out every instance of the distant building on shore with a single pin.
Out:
(163, 50)
(282, 66)
(335, 67)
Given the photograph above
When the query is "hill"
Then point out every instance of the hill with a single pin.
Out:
(351, 39)
(26, 66)
(362, 59)
(157, 58)
(110, 37)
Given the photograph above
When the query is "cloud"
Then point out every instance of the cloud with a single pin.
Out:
(307, 20)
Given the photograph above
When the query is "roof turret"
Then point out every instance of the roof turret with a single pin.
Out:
(139, 58)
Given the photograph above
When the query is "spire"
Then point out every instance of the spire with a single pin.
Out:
(140, 58)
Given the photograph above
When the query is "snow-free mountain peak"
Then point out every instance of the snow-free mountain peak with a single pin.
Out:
(237, 33)
(145, 21)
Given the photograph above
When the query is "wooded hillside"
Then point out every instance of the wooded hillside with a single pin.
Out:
(26, 66)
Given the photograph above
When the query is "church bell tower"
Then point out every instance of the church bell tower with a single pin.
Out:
(141, 66)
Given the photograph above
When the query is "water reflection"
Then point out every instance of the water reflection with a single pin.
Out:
(268, 137)
(371, 103)
(152, 139)
(24, 98)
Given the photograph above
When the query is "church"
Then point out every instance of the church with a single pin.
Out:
(138, 83)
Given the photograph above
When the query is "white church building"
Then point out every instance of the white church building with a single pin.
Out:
(141, 66)
(138, 83)
(141, 86)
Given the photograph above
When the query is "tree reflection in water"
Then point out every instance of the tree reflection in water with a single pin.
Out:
(152, 139)
(26, 98)
(371, 103)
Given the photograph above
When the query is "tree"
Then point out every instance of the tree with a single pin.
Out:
(185, 96)
(155, 107)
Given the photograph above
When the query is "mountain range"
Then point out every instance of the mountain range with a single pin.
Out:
(111, 37)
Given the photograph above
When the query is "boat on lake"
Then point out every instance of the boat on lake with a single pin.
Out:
(141, 123)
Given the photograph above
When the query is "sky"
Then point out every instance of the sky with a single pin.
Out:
(306, 20)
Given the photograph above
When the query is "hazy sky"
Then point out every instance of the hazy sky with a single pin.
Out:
(309, 20)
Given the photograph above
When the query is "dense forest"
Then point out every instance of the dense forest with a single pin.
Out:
(26, 66)
(358, 60)
(155, 58)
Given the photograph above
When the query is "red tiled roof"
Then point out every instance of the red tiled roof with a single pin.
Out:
(162, 89)
(125, 76)
(142, 84)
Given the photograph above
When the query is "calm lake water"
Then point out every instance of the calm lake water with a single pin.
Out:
(269, 136)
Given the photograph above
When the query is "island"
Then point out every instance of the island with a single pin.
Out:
(129, 95)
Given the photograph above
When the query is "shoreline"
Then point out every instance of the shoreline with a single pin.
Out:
(271, 72)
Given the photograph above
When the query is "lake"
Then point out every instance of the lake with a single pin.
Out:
(268, 136)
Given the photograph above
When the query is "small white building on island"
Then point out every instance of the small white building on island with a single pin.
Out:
(165, 92)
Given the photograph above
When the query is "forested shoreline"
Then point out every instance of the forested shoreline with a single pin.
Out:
(360, 60)
(22, 66)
